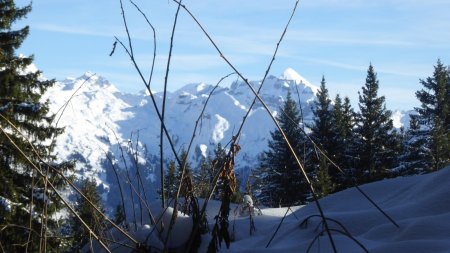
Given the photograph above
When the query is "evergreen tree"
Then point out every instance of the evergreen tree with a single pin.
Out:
(434, 114)
(283, 182)
(374, 131)
(323, 183)
(217, 164)
(119, 215)
(414, 159)
(173, 177)
(322, 134)
(89, 215)
(171, 180)
(23, 188)
(204, 177)
(344, 152)
(397, 142)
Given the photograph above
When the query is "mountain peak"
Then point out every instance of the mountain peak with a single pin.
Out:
(194, 89)
(90, 80)
(290, 74)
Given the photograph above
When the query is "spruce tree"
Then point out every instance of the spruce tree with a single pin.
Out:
(283, 183)
(434, 115)
(25, 119)
(322, 134)
(374, 131)
(84, 208)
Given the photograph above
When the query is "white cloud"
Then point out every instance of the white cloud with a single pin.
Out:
(73, 30)
(346, 37)
(97, 31)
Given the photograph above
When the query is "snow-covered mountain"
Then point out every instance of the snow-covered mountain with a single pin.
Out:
(402, 118)
(97, 117)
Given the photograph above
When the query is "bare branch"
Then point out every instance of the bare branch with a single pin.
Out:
(163, 110)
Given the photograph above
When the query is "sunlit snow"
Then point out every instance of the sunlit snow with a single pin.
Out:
(221, 126)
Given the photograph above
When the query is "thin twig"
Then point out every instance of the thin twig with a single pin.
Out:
(30, 225)
(340, 232)
(154, 41)
(118, 182)
(163, 110)
(278, 228)
(129, 181)
(302, 118)
(131, 155)
(64, 106)
(130, 43)
(152, 219)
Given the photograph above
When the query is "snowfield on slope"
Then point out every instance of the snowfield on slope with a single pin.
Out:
(419, 204)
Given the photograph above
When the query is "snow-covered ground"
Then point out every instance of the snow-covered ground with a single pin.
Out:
(419, 204)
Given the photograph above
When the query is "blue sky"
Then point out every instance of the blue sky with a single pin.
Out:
(337, 38)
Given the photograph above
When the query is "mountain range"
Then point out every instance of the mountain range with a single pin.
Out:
(106, 128)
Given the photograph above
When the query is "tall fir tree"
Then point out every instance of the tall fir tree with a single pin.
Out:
(27, 201)
(283, 183)
(434, 114)
(374, 131)
(322, 134)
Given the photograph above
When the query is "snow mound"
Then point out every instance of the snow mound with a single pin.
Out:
(180, 230)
